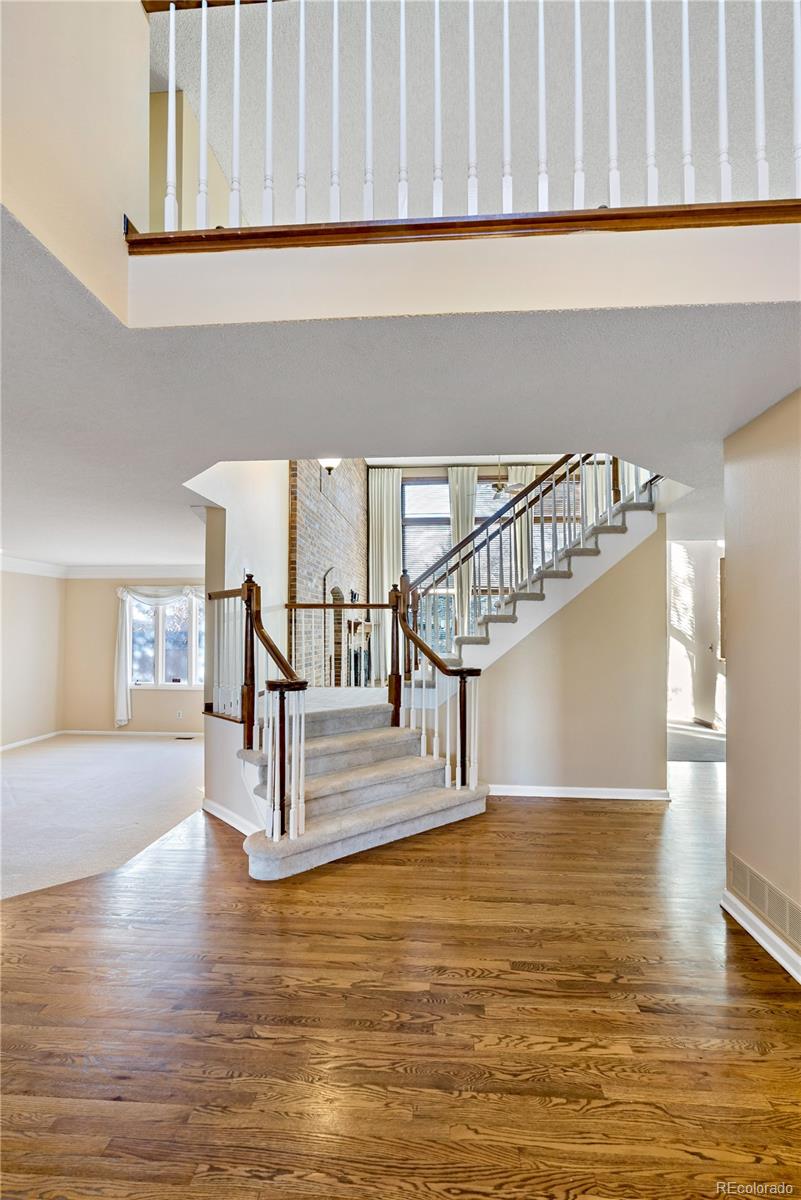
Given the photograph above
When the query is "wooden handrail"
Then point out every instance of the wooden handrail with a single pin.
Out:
(426, 229)
(230, 594)
(284, 666)
(311, 604)
(423, 646)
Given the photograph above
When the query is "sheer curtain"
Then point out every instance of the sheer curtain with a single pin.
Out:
(157, 597)
(462, 483)
(385, 556)
(524, 475)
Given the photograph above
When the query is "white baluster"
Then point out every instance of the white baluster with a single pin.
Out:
(277, 750)
(651, 172)
(234, 196)
(300, 185)
(473, 760)
(614, 162)
(542, 121)
(448, 768)
(369, 183)
(437, 200)
(506, 168)
(334, 191)
(403, 165)
(582, 501)
(763, 181)
(267, 201)
(202, 203)
(294, 765)
(472, 152)
(459, 747)
(686, 108)
(578, 111)
(171, 194)
(797, 94)
(424, 670)
(435, 739)
(723, 107)
(301, 708)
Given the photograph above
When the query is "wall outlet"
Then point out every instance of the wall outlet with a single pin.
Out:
(180, 714)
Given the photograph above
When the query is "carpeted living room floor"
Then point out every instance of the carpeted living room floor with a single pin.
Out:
(75, 806)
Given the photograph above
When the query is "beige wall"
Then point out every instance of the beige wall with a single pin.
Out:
(33, 629)
(187, 162)
(581, 702)
(763, 644)
(75, 131)
(89, 645)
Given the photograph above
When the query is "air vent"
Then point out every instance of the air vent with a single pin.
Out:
(776, 909)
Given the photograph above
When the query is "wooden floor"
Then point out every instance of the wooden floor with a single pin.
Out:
(543, 1002)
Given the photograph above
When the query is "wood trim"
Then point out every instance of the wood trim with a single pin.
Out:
(230, 594)
(223, 717)
(361, 606)
(438, 229)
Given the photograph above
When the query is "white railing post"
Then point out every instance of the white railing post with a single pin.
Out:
(614, 161)
(651, 172)
(202, 203)
(472, 781)
(797, 94)
(578, 110)
(267, 202)
(472, 152)
(369, 182)
(542, 116)
(763, 180)
(300, 184)
(334, 207)
(723, 107)
(403, 165)
(234, 197)
(507, 205)
(688, 169)
(171, 193)
(437, 198)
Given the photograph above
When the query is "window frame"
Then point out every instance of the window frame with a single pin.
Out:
(160, 684)
(419, 521)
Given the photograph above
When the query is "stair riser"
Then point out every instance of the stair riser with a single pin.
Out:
(323, 724)
(323, 764)
(376, 793)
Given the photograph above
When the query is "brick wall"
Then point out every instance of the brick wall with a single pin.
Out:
(327, 528)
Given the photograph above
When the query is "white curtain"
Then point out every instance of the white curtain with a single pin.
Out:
(523, 475)
(462, 483)
(157, 597)
(385, 558)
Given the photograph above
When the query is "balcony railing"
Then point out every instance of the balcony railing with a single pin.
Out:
(323, 112)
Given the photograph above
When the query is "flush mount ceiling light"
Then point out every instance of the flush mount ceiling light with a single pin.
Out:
(330, 464)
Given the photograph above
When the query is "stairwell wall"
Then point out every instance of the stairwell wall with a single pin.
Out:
(580, 704)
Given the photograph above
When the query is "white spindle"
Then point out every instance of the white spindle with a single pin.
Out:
(300, 184)
(542, 122)
(472, 151)
(435, 739)
(334, 191)
(578, 111)
(202, 203)
(651, 172)
(448, 769)
(294, 765)
(473, 760)
(367, 200)
(686, 108)
(614, 161)
(171, 193)
(403, 164)
(234, 197)
(437, 200)
(763, 182)
(797, 94)
(506, 168)
(723, 107)
(301, 710)
(267, 203)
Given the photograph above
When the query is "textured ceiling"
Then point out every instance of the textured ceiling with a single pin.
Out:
(103, 423)
(777, 19)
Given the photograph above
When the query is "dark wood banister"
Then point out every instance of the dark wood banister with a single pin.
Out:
(545, 477)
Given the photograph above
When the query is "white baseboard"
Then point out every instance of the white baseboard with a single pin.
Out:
(535, 792)
(230, 817)
(188, 733)
(768, 939)
(41, 737)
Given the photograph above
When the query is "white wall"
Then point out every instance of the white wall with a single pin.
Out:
(696, 675)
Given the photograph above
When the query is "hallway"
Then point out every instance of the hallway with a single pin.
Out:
(545, 1001)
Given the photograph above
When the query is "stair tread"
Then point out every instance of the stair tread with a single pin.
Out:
(342, 743)
(369, 775)
(347, 711)
(334, 827)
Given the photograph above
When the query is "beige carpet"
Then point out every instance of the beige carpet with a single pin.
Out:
(74, 806)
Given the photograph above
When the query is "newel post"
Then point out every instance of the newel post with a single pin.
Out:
(249, 589)
(394, 685)
(407, 653)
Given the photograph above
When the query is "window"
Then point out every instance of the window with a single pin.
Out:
(427, 519)
(167, 643)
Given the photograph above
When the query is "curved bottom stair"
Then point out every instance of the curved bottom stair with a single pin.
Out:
(366, 785)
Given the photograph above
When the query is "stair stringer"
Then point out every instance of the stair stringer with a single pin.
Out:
(504, 636)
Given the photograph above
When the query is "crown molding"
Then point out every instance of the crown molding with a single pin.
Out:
(31, 566)
(171, 571)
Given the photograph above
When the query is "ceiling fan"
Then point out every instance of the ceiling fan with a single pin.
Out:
(502, 487)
